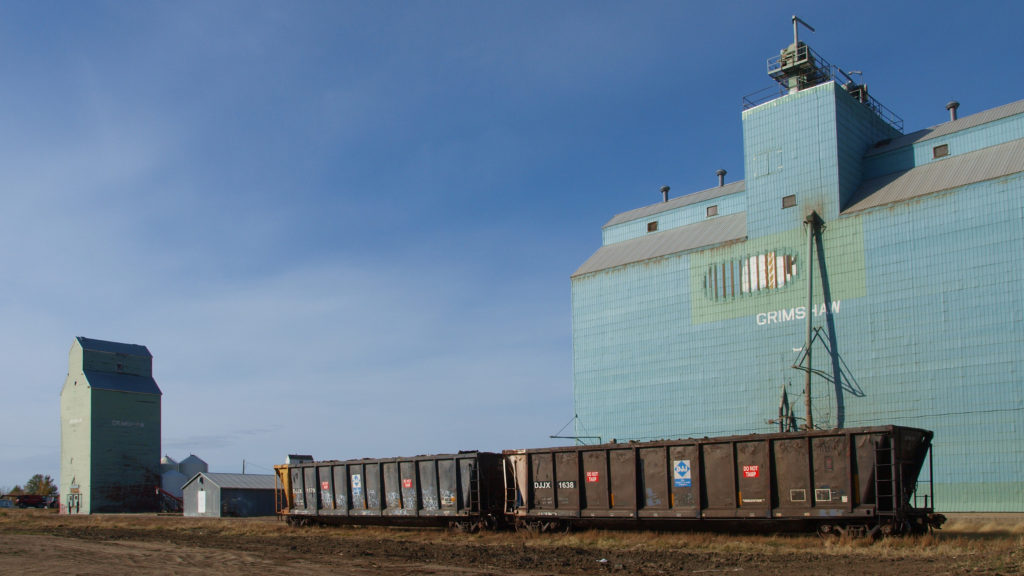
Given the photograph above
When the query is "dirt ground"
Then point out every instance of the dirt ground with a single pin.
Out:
(42, 542)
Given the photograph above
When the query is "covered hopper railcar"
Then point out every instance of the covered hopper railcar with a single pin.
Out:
(859, 480)
(463, 490)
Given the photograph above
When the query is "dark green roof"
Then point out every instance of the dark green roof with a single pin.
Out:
(113, 347)
(121, 382)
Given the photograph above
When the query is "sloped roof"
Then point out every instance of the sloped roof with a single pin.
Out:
(709, 194)
(706, 233)
(113, 347)
(237, 481)
(193, 459)
(946, 174)
(957, 125)
(121, 382)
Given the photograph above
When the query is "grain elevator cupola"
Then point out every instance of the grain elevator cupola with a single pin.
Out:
(797, 66)
(110, 429)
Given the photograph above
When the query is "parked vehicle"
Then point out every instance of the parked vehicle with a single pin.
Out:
(6, 504)
(857, 480)
(462, 490)
(30, 501)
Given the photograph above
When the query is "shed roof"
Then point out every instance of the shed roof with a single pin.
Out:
(709, 194)
(705, 233)
(121, 382)
(113, 347)
(957, 125)
(237, 481)
(946, 174)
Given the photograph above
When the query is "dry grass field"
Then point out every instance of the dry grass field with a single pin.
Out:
(41, 542)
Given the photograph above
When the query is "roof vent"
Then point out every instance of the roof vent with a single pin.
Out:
(721, 177)
(952, 106)
(664, 193)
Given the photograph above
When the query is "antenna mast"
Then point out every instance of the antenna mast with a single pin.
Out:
(797, 20)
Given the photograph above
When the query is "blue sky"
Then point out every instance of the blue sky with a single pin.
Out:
(347, 228)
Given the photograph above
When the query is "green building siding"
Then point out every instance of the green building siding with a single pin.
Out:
(110, 430)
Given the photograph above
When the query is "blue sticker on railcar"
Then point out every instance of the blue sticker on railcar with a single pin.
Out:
(681, 474)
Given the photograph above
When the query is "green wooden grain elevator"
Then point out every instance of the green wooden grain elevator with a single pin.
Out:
(109, 429)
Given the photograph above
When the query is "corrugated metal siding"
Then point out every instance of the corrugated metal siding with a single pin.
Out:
(211, 500)
(679, 202)
(783, 142)
(75, 441)
(110, 431)
(244, 481)
(707, 233)
(926, 310)
(244, 502)
(947, 174)
(691, 214)
(230, 495)
(946, 128)
(121, 382)
(125, 452)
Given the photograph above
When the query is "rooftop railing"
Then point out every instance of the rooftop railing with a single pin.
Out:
(810, 69)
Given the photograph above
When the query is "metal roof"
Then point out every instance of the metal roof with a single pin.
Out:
(957, 125)
(113, 347)
(706, 233)
(952, 172)
(237, 481)
(121, 382)
(709, 194)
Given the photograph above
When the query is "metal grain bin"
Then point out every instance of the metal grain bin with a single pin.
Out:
(464, 489)
(860, 477)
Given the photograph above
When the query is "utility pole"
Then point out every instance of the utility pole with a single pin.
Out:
(812, 222)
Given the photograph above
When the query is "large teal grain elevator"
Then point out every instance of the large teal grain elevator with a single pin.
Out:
(110, 429)
(695, 313)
